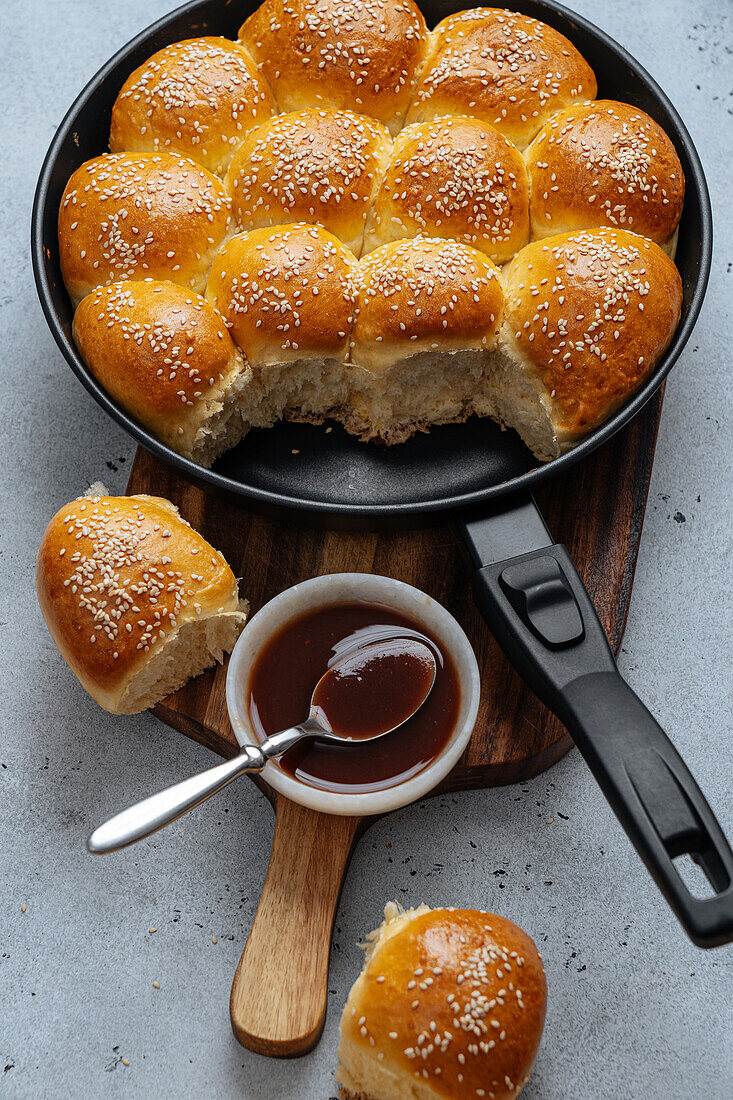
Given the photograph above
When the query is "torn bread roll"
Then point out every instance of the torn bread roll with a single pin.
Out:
(450, 1005)
(587, 316)
(501, 67)
(198, 98)
(136, 601)
(288, 297)
(139, 216)
(419, 332)
(605, 164)
(166, 356)
(428, 314)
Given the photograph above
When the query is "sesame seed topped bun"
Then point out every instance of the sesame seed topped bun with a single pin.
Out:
(136, 600)
(458, 178)
(428, 315)
(605, 164)
(198, 98)
(317, 166)
(424, 295)
(285, 293)
(587, 317)
(137, 216)
(357, 55)
(450, 1005)
(166, 356)
(507, 69)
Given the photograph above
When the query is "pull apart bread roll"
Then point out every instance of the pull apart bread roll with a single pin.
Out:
(317, 166)
(450, 1005)
(165, 355)
(137, 216)
(428, 314)
(506, 69)
(136, 601)
(357, 55)
(605, 164)
(287, 295)
(456, 178)
(198, 98)
(587, 317)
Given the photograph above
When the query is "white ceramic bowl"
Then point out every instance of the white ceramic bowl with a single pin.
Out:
(336, 588)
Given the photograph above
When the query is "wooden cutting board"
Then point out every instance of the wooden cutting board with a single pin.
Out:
(597, 510)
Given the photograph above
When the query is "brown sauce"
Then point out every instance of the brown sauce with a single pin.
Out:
(375, 689)
(287, 670)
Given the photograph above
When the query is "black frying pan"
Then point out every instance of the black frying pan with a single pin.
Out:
(527, 588)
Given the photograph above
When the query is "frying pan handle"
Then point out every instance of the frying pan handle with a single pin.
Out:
(540, 613)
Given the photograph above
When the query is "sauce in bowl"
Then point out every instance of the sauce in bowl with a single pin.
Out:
(286, 671)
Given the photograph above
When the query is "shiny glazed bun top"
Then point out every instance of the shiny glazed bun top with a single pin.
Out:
(320, 166)
(286, 293)
(198, 98)
(605, 164)
(457, 178)
(450, 1004)
(506, 69)
(423, 295)
(358, 55)
(137, 216)
(589, 314)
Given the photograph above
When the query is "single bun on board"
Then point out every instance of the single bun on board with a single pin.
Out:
(450, 1005)
(587, 317)
(197, 98)
(166, 356)
(457, 178)
(506, 69)
(318, 166)
(605, 164)
(136, 600)
(357, 55)
(138, 216)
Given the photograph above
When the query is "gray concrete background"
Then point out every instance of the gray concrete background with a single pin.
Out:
(634, 1010)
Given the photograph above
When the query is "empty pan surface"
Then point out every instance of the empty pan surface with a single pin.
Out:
(455, 466)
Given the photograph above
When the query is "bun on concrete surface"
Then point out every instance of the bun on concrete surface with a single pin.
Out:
(450, 1005)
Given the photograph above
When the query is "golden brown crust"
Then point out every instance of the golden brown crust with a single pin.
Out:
(197, 97)
(116, 577)
(589, 314)
(317, 166)
(286, 293)
(507, 69)
(424, 294)
(605, 164)
(453, 1000)
(358, 55)
(161, 351)
(457, 178)
(138, 216)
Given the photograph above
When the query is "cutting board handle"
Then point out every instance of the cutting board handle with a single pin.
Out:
(280, 990)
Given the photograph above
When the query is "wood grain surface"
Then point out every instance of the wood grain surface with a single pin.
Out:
(596, 510)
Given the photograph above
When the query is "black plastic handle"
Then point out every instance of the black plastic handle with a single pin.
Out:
(539, 611)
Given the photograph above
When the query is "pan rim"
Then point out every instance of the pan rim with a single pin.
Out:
(697, 191)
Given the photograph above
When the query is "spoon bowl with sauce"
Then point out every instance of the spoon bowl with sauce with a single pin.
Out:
(366, 693)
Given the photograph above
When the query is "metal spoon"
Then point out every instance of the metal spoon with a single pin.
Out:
(356, 668)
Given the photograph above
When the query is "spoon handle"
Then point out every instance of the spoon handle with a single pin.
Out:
(160, 809)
